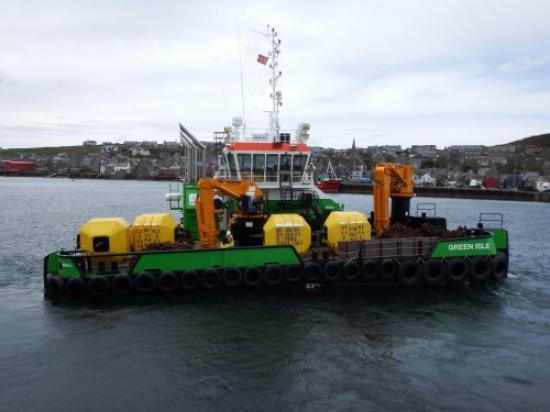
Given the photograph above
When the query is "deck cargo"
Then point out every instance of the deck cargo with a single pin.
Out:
(153, 228)
(106, 235)
(288, 229)
(345, 227)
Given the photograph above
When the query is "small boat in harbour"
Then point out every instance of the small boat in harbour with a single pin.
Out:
(330, 183)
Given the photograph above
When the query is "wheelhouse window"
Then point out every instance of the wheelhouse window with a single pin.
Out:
(245, 165)
(271, 167)
(258, 167)
(285, 168)
(298, 167)
(285, 162)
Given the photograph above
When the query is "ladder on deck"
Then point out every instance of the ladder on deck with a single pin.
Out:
(285, 185)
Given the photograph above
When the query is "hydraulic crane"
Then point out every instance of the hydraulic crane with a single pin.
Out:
(249, 197)
(395, 181)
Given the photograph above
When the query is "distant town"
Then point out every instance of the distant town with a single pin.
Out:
(523, 164)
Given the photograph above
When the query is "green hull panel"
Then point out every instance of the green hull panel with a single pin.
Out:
(52, 263)
(483, 246)
(65, 266)
(222, 258)
(500, 237)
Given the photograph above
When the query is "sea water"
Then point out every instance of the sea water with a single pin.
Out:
(396, 349)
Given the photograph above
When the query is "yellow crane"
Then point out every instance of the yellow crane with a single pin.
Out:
(246, 191)
(395, 181)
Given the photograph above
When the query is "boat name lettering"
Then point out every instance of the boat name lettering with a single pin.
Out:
(469, 246)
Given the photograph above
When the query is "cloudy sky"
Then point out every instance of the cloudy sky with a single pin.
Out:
(380, 71)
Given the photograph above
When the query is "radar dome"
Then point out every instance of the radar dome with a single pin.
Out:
(237, 121)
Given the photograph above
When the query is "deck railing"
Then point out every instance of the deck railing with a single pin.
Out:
(386, 248)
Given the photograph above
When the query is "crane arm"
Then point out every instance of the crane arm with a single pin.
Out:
(391, 180)
(204, 205)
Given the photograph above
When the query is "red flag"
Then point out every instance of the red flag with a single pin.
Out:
(262, 59)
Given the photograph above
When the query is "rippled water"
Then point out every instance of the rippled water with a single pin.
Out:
(381, 350)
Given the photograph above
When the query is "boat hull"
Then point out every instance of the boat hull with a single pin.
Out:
(407, 262)
(330, 185)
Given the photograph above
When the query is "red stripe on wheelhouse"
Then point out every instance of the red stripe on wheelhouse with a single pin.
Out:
(256, 147)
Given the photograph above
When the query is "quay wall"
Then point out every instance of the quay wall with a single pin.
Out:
(487, 194)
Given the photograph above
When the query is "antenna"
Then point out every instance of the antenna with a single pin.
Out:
(276, 95)
(241, 67)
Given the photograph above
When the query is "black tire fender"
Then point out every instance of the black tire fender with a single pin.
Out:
(190, 280)
(145, 282)
(75, 287)
(332, 271)
(98, 285)
(168, 281)
(351, 269)
(480, 268)
(312, 271)
(232, 277)
(388, 269)
(122, 284)
(457, 270)
(54, 286)
(211, 278)
(293, 273)
(253, 276)
(434, 271)
(499, 264)
(273, 275)
(410, 272)
(369, 269)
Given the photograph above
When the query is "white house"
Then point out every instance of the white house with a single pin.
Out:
(140, 151)
(427, 181)
(122, 167)
(475, 183)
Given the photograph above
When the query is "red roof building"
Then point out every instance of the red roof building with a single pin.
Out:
(17, 165)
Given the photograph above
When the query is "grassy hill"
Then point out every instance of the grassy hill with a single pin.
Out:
(541, 140)
(53, 150)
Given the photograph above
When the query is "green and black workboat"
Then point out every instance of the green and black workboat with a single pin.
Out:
(262, 223)
(230, 238)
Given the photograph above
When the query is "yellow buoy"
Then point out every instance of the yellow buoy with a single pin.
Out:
(288, 229)
(346, 226)
(153, 228)
(106, 235)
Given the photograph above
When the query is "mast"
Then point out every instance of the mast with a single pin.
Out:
(276, 95)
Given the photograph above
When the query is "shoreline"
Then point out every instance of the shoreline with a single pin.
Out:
(91, 177)
(351, 188)
(454, 193)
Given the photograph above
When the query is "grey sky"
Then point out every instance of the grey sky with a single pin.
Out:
(384, 72)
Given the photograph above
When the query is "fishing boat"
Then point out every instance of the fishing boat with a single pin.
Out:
(329, 182)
